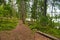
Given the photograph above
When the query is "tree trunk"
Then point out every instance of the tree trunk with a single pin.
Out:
(22, 10)
(45, 7)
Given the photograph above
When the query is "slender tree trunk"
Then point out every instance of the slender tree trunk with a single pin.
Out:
(45, 7)
(22, 10)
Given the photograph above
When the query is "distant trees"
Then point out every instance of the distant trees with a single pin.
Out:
(37, 9)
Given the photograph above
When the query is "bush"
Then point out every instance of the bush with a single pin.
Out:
(8, 24)
(45, 24)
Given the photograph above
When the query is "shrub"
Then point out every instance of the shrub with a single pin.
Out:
(8, 24)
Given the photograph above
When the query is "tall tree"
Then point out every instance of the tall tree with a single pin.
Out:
(22, 9)
(34, 9)
(45, 7)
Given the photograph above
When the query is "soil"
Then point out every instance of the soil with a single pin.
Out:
(21, 32)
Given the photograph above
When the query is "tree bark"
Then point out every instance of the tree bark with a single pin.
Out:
(45, 7)
(22, 10)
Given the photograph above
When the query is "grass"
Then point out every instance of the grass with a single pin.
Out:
(8, 23)
(53, 32)
(48, 30)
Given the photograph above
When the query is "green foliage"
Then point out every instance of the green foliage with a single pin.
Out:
(1, 10)
(53, 32)
(2, 2)
(5, 11)
(34, 10)
(45, 24)
(7, 23)
(8, 17)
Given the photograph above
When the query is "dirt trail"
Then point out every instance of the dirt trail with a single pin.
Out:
(21, 32)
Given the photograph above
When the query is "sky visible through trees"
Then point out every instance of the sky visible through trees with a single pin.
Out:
(49, 9)
(52, 11)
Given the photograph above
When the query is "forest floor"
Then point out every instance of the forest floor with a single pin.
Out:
(21, 32)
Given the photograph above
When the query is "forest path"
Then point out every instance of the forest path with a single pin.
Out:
(21, 32)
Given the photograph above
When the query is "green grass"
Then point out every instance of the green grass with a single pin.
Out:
(53, 32)
(8, 23)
